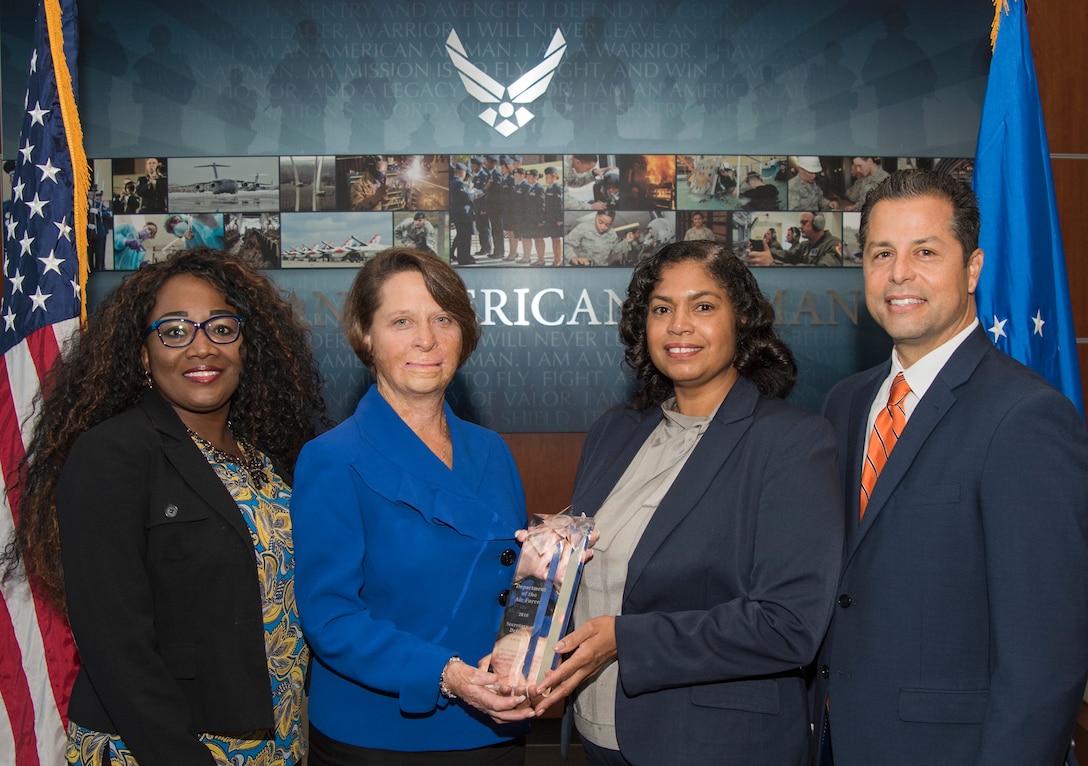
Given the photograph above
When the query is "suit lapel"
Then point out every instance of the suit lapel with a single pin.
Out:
(931, 409)
(725, 432)
(189, 462)
(628, 434)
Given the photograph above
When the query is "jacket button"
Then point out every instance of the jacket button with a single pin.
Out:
(508, 557)
(170, 511)
(825, 671)
(503, 596)
(845, 601)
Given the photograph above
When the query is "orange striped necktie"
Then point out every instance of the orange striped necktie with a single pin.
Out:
(886, 431)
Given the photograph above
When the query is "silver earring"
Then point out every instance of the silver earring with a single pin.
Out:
(147, 379)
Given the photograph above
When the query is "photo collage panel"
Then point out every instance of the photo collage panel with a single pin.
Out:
(493, 210)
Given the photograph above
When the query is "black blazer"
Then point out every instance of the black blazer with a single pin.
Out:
(729, 590)
(162, 590)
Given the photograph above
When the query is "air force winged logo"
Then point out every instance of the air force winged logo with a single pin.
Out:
(528, 88)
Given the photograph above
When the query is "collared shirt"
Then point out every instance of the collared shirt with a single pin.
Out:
(919, 377)
(620, 522)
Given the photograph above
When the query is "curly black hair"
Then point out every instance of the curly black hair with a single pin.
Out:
(277, 406)
(760, 355)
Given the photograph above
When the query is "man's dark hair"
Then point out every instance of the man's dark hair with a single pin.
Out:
(909, 184)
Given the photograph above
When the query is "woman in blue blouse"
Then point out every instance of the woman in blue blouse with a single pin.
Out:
(404, 520)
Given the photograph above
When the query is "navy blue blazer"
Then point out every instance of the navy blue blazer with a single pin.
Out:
(729, 590)
(960, 634)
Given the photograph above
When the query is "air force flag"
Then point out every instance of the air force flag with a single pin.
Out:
(1023, 293)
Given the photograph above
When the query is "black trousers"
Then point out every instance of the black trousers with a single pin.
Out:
(603, 756)
(325, 751)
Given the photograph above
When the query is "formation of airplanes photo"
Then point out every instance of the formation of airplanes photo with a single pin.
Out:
(353, 250)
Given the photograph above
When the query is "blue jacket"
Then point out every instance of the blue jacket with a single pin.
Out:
(729, 590)
(960, 633)
(398, 566)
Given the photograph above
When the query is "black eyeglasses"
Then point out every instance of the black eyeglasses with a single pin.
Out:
(175, 332)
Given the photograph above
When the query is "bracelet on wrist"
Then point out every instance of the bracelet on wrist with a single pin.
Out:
(443, 687)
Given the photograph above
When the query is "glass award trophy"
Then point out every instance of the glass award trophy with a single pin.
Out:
(539, 603)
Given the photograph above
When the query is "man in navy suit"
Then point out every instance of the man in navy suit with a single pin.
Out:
(960, 634)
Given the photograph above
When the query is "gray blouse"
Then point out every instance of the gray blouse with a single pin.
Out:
(620, 522)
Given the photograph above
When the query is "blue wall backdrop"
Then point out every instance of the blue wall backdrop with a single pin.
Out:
(550, 358)
(314, 95)
(890, 78)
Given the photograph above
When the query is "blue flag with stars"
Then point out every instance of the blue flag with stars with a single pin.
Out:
(1023, 293)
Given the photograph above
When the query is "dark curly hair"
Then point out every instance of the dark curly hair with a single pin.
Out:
(760, 355)
(912, 184)
(277, 407)
(443, 283)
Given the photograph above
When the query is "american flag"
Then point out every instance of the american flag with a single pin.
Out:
(45, 268)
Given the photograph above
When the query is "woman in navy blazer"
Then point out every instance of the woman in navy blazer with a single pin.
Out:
(724, 595)
(405, 519)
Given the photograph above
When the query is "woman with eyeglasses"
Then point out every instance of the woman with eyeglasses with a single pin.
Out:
(155, 507)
